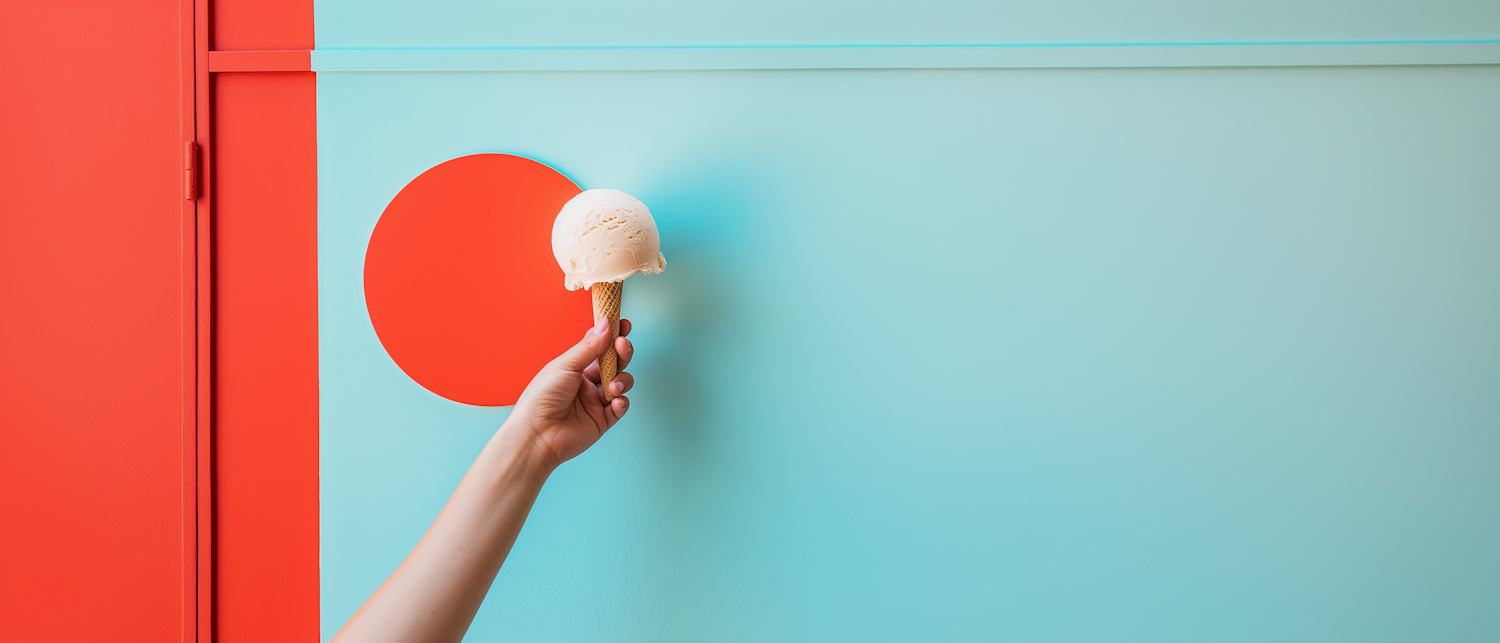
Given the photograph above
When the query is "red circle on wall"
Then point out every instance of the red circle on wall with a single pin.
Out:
(460, 281)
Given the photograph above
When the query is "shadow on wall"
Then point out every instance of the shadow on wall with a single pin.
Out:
(690, 325)
(682, 314)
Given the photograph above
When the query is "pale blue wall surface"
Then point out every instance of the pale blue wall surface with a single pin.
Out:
(1147, 354)
(599, 23)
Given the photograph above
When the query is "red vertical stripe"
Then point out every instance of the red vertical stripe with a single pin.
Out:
(265, 331)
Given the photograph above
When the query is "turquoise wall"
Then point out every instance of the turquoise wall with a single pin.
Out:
(1168, 354)
(604, 23)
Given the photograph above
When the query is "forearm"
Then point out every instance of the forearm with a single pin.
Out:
(436, 591)
(433, 596)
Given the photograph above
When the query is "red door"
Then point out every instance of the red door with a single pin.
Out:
(98, 317)
(158, 322)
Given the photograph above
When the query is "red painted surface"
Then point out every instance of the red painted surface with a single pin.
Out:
(264, 168)
(262, 24)
(260, 61)
(203, 524)
(266, 352)
(97, 323)
(460, 281)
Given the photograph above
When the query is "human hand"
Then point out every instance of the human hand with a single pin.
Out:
(563, 407)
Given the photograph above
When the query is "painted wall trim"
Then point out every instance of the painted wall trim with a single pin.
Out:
(288, 60)
(909, 57)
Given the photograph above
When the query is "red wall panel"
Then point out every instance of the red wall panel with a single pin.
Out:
(265, 356)
(97, 415)
(108, 276)
(265, 331)
(262, 24)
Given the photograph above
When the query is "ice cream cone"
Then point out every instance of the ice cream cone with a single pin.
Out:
(600, 238)
(607, 304)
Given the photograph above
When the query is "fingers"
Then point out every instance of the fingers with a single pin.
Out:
(624, 348)
(622, 384)
(624, 327)
(586, 350)
(616, 409)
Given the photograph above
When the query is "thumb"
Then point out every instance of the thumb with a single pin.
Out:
(593, 344)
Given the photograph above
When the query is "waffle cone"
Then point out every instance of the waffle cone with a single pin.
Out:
(607, 304)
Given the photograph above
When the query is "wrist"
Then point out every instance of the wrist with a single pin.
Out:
(527, 448)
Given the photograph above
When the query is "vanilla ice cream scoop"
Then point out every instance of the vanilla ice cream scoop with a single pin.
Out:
(604, 236)
(599, 238)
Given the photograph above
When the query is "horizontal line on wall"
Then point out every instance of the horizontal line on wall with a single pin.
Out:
(909, 57)
(273, 60)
